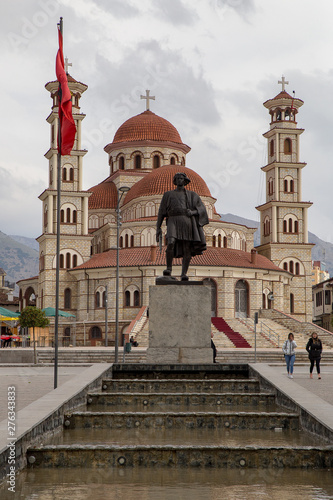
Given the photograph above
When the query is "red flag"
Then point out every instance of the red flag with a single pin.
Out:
(67, 125)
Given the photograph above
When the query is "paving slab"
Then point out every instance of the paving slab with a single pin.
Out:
(314, 395)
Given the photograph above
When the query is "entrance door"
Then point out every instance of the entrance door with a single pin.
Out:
(241, 299)
(211, 283)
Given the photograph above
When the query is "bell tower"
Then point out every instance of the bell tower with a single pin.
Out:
(75, 241)
(283, 216)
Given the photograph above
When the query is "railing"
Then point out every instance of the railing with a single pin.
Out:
(262, 328)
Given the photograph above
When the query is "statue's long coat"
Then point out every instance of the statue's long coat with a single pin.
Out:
(181, 227)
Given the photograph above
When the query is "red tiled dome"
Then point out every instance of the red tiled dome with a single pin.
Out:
(161, 179)
(104, 195)
(147, 127)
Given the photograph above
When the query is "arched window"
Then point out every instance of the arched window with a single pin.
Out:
(285, 186)
(62, 216)
(291, 267)
(225, 242)
(68, 215)
(137, 161)
(270, 186)
(61, 263)
(74, 216)
(98, 299)
(74, 260)
(136, 298)
(156, 161)
(290, 225)
(297, 268)
(121, 163)
(291, 303)
(121, 242)
(172, 160)
(126, 240)
(132, 296)
(71, 174)
(132, 240)
(67, 298)
(285, 266)
(68, 260)
(287, 146)
(95, 332)
(219, 241)
(214, 240)
(291, 185)
(271, 148)
(64, 174)
(104, 299)
(267, 226)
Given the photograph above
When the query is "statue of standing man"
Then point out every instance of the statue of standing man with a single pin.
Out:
(185, 216)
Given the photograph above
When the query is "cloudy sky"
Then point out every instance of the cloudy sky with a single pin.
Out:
(210, 63)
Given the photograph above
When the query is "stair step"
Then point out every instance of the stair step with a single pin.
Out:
(174, 385)
(169, 400)
(182, 456)
(183, 420)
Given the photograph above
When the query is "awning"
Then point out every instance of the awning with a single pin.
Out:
(50, 312)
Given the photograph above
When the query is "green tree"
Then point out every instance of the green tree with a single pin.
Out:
(32, 317)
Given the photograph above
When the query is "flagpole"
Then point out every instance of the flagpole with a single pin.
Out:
(56, 320)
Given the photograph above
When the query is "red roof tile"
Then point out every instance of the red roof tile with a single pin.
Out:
(147, 126)
(104, 195)
(161, 179)
(212, 257)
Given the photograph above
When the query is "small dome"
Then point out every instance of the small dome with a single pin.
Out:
(147, 127)
(160, 180)
(104, 195)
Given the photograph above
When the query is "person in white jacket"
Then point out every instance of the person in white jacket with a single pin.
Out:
(288, 349)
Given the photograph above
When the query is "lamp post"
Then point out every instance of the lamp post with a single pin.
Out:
(121, 190)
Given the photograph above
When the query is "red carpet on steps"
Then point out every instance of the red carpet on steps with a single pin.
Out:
(235, 337)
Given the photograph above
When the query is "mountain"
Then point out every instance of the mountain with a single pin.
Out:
(29, 242)
(322, 250)
(18, 260)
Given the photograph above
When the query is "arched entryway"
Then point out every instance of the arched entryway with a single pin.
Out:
(95, 335)
(241, 299)
(29, 297)
(212, 285)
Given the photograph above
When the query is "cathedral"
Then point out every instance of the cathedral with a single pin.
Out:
(108, 233)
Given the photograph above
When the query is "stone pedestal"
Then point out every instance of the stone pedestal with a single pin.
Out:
(180, 324)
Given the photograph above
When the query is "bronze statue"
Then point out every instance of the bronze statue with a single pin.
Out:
(185, 215)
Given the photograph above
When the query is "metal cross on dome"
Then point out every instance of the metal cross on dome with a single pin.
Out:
(147, 97)
(67, 64)
(283, 82)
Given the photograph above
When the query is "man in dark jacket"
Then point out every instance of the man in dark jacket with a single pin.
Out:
(185, 215)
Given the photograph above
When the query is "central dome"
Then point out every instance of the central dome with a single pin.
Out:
(147, 127)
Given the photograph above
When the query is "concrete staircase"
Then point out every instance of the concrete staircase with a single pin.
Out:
(236, 338)
(246, 329)
(302, 330)
(169, 416)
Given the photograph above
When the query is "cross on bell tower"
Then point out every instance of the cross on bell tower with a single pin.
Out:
(67, 64)
(147, 97)
(283, 82)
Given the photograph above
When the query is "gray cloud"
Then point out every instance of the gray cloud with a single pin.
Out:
(175, 12)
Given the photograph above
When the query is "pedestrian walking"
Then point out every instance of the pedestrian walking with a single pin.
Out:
(314, 348)
(288, 349)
